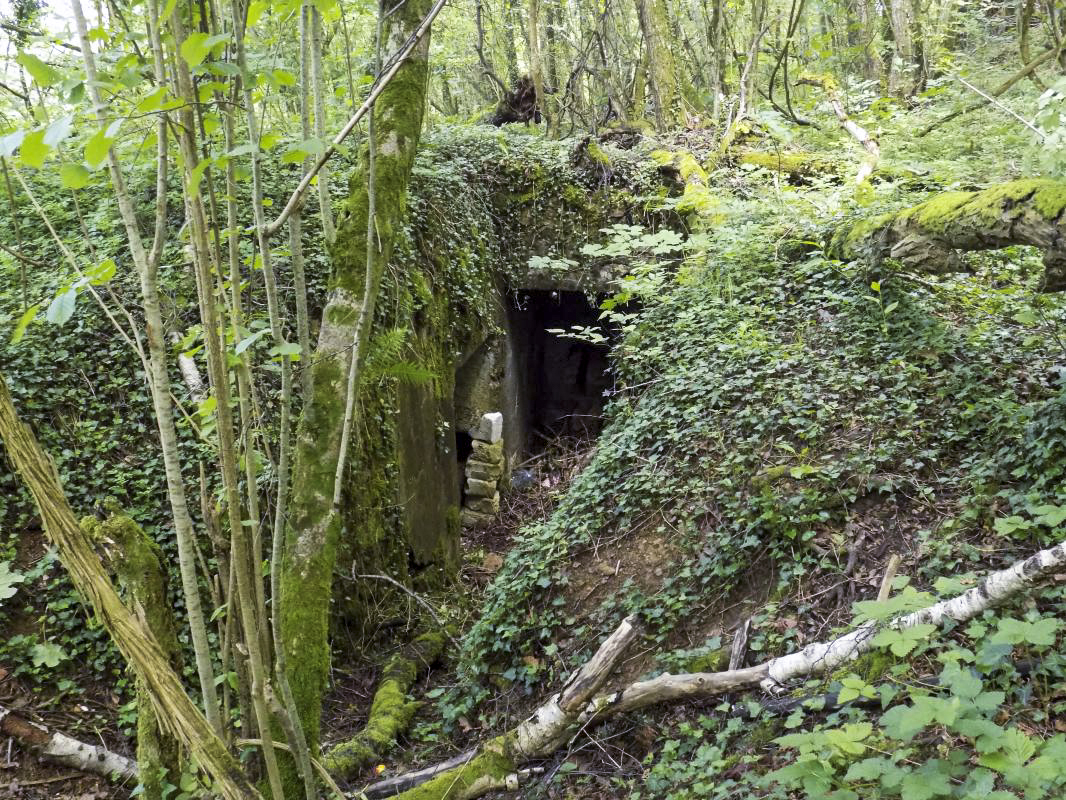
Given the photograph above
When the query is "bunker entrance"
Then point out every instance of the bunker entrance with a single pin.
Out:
(565, 377)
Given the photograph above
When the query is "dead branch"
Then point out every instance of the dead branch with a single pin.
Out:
(555, 722)
(58, 748)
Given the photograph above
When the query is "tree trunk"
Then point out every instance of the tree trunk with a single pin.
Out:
(929, 236)
(662, 71)
(314, 523)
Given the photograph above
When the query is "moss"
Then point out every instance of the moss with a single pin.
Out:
(598, 154)
(138, 563)
(492, 763)
(391, 711)
(715, 661)
(790, 163)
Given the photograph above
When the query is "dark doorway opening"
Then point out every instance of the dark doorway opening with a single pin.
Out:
(464, 446)
(565, 378)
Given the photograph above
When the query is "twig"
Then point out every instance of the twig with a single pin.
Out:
(1001, 107)
(890, 574)
(393, 65)
(417, 598)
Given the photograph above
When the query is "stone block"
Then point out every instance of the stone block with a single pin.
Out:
(476, 488)
(491, 453)
(484, 505)
(489, 428)
(480, 471)
(472, 519)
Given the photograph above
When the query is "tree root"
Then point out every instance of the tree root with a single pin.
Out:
(497, 763)
(58, 748)
(390, 712)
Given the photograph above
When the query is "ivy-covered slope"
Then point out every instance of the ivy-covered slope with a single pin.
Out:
(481, 203)
(789, 422)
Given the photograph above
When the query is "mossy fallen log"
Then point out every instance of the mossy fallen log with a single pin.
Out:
(390, 712)
(930, 236)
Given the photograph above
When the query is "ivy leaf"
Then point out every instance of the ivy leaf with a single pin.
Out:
(903, 722)
(8, 580)
(47, 655)
(61, 308)
(42, 74)
(73, 176)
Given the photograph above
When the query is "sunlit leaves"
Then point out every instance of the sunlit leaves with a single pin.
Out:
(73, 176)
(99, 144)
(195, 49)
(34, 151)
(43, 74)
(24, 322)
(61, 308)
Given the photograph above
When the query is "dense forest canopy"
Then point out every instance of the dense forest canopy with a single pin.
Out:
(445, 398)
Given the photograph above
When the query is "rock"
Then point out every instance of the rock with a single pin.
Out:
(484, 505)
(472, 519)
(483, 471)
(522, 479)
(489, 453)
(489, 428)
(476, 488)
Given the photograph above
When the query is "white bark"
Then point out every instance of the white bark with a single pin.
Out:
(555, 722)
(66, 751)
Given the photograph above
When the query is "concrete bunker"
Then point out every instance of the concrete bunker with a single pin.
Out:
(543, 373)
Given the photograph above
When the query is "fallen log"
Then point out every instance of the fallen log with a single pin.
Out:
(498, 763)
(63, 750)
(859, 133)
(930, 236)
(390, 711)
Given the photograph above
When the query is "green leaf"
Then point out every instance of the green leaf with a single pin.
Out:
(901, 642)
(96, 149)
(24, 322)
(198, 46)
(1015, 631)
(42, 74)
(47, 655)
(61, 308)
(197, 175)
(34, 150)
(73, 176)
(102, 273)
(248, 341)
(285, 349)
(153, 102)
(255, 11)
(8, 580)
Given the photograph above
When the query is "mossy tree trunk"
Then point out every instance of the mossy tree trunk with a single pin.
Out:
(928, 237)
(662, 70)
(138, 563)
(314, 522)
